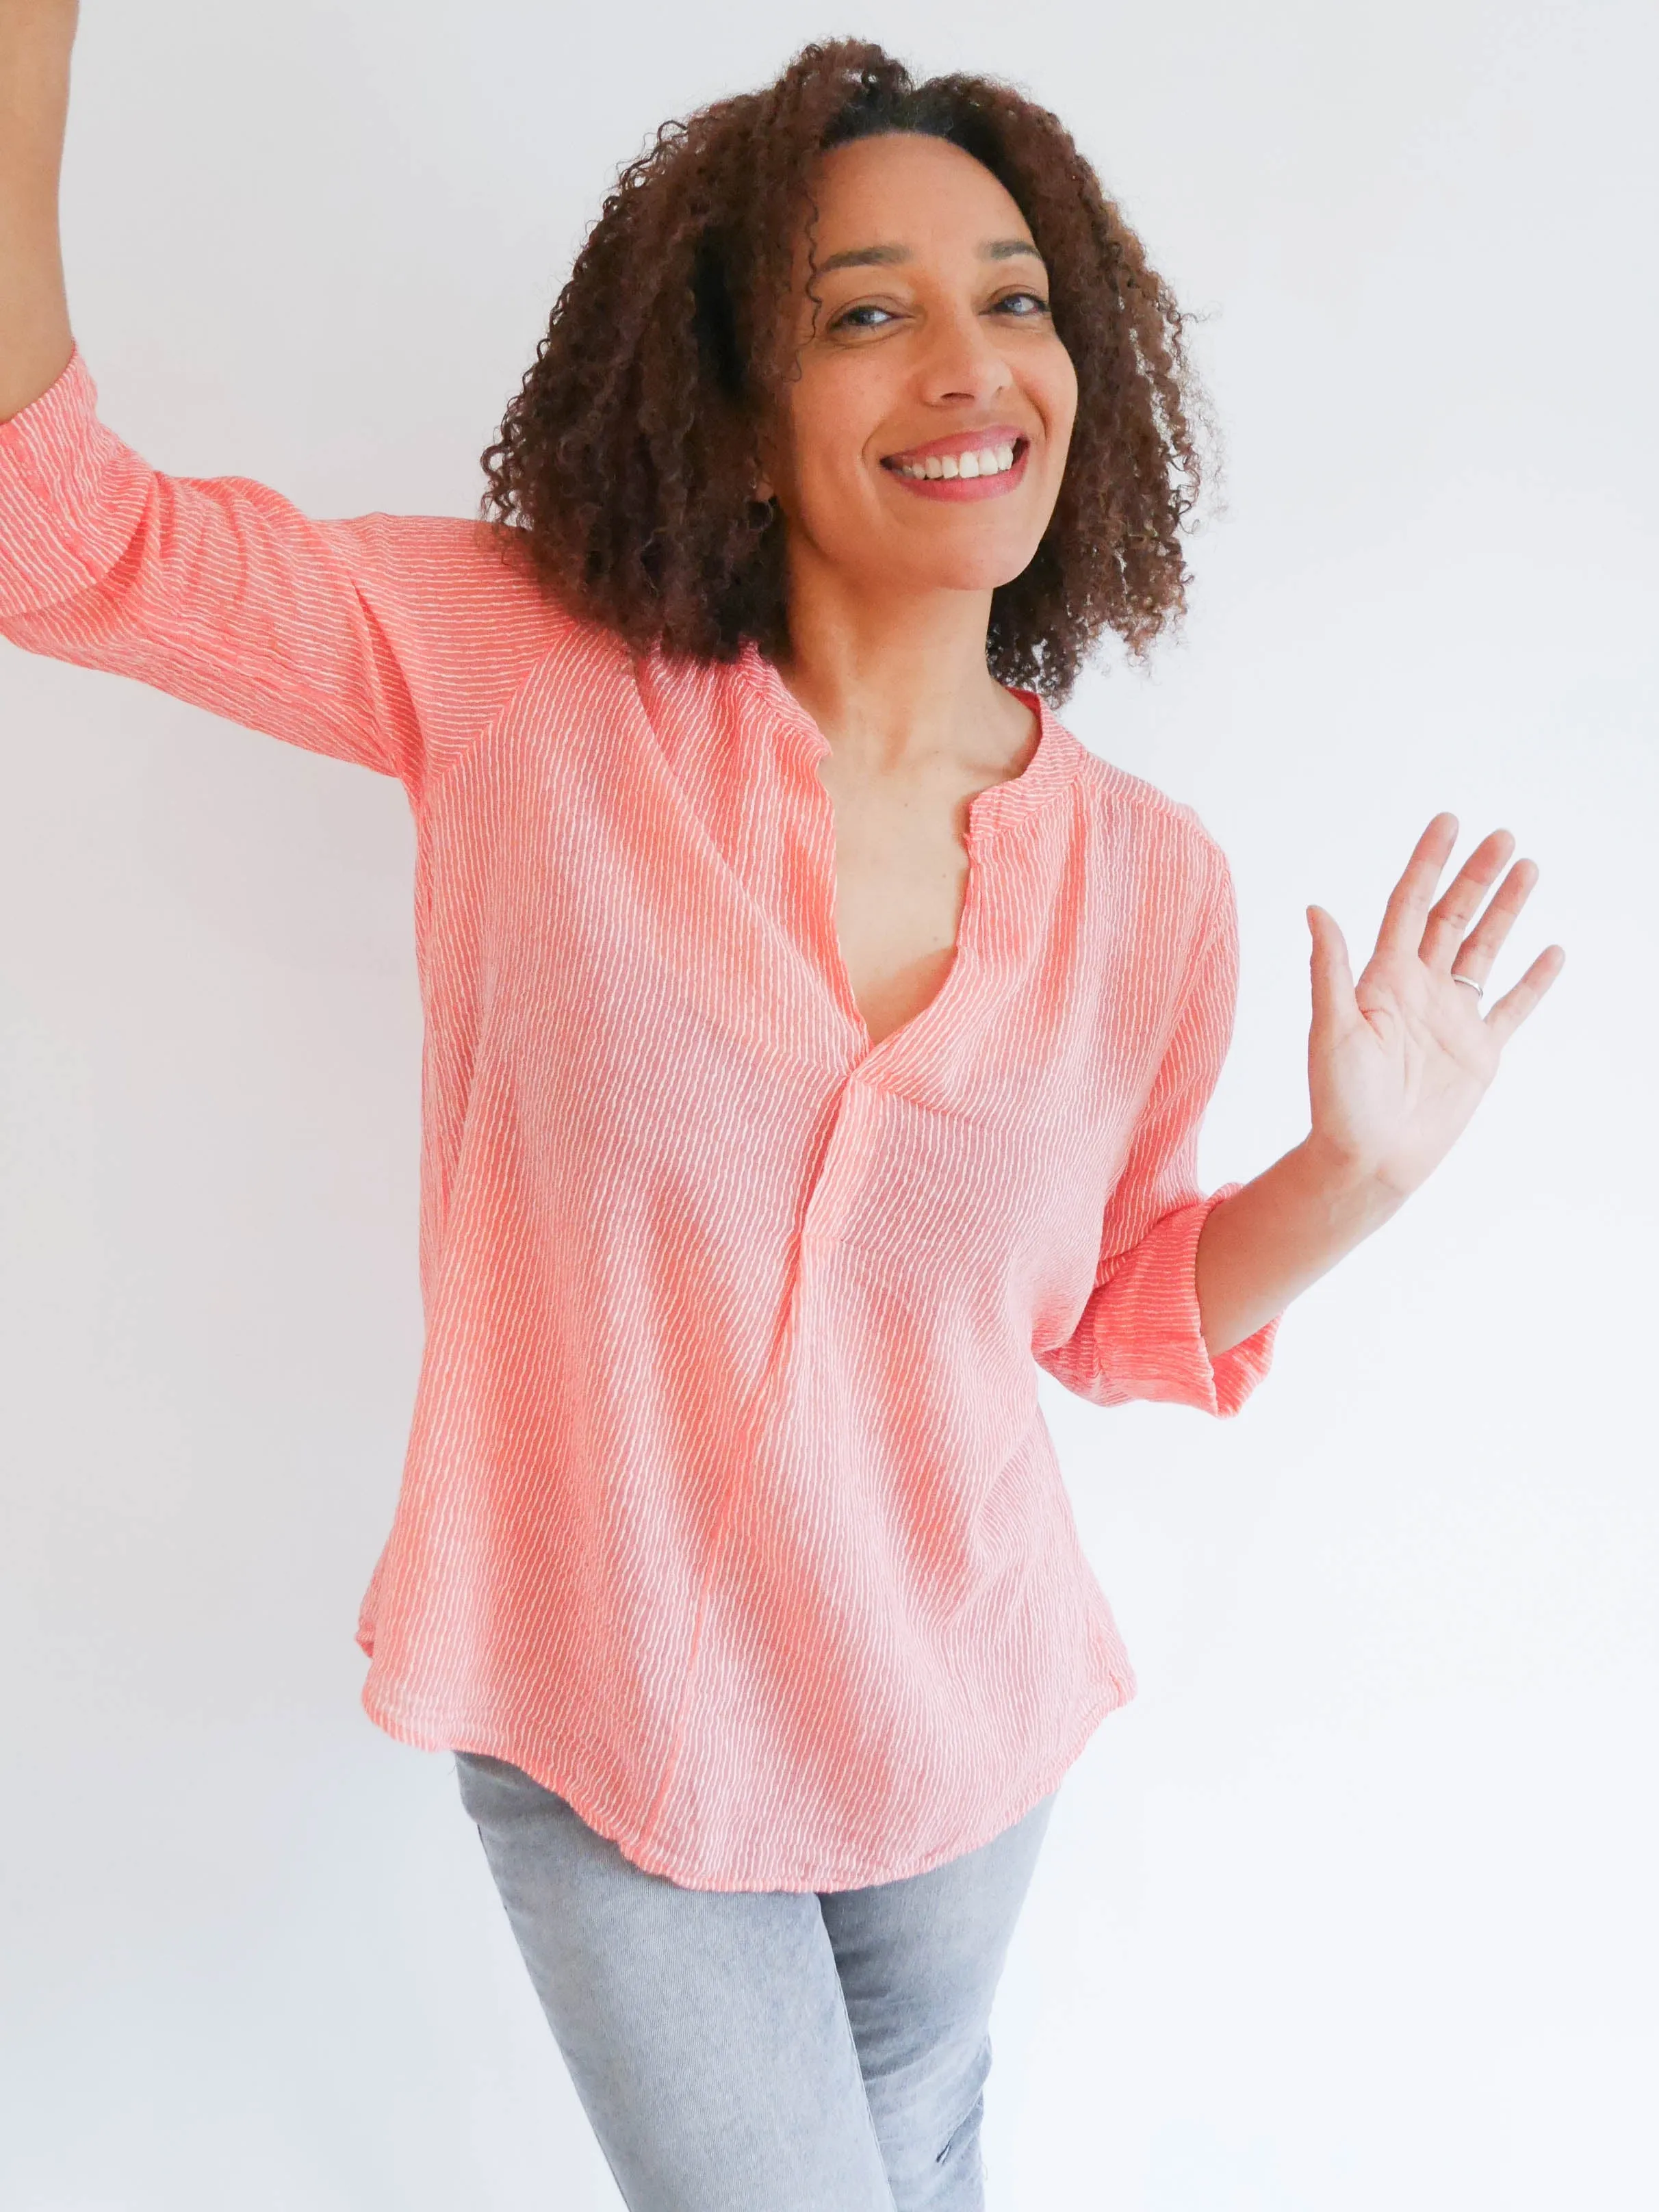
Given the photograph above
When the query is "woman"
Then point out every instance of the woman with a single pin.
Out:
(818, 1038)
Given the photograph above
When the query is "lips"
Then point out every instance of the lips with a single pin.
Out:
(986, 436)
(965, 456)
(981, 472)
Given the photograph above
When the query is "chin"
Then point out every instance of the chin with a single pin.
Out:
(972, 569)
(983, 575)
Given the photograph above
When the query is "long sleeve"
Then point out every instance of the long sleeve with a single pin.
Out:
(388, 640)
(1140, 1334)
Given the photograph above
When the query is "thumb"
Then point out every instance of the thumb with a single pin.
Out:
(1330, 974)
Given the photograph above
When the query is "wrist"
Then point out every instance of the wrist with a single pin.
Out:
(1346, 1186)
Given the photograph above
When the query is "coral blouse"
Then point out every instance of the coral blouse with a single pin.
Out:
(728, 1510)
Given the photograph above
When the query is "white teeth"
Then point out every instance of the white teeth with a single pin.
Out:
(989, 461)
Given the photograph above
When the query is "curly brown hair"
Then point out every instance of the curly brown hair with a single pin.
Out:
(626, 464)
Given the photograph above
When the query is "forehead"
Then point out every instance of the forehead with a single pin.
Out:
(906, 188)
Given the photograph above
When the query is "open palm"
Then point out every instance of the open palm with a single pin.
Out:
(1398, 1062)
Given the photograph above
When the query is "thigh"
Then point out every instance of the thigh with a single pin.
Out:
(705, 2030)
(919, 1961)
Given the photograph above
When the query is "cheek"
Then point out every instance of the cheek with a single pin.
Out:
(829, 428)
(1060, 396)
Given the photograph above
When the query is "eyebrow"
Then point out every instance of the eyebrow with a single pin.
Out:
(884, 257)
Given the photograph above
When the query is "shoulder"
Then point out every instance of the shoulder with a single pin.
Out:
(1136, 824)
(465, 595)
(474, 626)
(480, 563)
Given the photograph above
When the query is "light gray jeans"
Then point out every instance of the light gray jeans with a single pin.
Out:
(762, 2050)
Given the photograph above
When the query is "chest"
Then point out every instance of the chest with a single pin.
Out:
(683, 900)
(901, 876)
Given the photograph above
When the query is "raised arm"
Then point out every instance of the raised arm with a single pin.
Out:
(391, 641)
(35, 38)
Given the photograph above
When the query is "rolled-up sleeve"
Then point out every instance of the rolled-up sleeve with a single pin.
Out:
(385, 640)
(1140, 1334)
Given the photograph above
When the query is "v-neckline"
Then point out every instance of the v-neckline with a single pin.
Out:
(962, 951)
(1043, 770)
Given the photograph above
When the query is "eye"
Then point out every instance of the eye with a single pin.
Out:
(846, 322)
(1023, 306)
(1037, 304)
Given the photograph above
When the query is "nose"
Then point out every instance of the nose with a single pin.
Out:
(963, 359)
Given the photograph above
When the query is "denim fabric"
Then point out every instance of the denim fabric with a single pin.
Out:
(762, 2050)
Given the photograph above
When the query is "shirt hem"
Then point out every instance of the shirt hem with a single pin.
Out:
(424, 1732)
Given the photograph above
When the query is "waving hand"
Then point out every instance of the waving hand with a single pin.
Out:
(1398, 1061)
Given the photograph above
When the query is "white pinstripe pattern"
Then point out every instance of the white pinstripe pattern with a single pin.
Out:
(728, 1510)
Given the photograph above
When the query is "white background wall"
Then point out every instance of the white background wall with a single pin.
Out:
(1353, 1908)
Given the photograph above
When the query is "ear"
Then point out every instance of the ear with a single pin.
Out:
(761, 453)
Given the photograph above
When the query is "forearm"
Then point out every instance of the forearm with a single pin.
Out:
(1266, 1245)
(35, 342)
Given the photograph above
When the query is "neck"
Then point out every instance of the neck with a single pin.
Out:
(899, 681)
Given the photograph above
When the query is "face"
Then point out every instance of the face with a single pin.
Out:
(922, 445)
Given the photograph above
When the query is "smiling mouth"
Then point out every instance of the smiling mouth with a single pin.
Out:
(987, 461)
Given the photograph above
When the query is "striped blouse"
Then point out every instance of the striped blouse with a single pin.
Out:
(728, 1510)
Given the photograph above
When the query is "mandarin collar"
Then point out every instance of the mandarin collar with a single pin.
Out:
(1050, 769)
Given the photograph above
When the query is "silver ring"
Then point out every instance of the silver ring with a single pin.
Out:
(1472, 985)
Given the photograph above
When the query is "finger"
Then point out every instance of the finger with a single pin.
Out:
(1475, 956)
(1512, 1009)
(1334, 1000)
(1443, 934)
(1408, 903)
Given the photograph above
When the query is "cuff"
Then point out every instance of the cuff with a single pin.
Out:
(71, 494)
(1151, 1311)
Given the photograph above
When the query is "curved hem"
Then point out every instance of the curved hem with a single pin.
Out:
(438, 1736)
